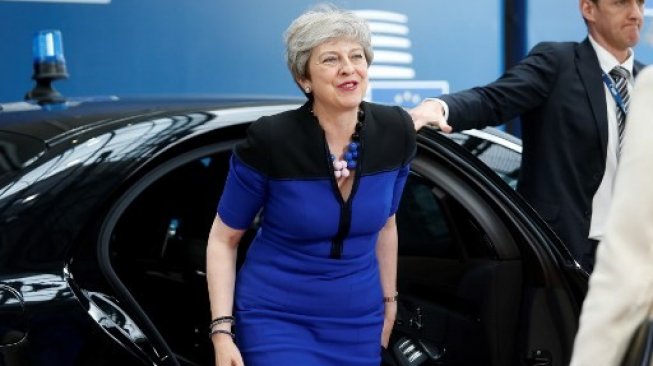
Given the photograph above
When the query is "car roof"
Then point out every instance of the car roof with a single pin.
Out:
(46, 122)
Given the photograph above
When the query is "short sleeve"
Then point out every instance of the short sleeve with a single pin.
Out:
(243, 196)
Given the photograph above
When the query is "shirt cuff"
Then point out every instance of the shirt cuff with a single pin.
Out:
(445, 107)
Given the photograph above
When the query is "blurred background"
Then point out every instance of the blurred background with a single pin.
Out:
(136, 47)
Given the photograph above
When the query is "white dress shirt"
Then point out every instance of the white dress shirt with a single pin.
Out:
(603, 196)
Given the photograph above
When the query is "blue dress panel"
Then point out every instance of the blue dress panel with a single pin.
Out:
(309, 291)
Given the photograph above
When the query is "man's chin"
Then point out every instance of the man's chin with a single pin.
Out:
(632, 37)
(633, 42)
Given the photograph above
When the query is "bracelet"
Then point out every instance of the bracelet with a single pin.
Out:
(391, 298)
(221, 320)
(221, 331)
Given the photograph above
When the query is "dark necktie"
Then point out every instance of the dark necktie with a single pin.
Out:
(620, 76)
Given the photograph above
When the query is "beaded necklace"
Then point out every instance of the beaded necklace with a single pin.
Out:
(342, 167)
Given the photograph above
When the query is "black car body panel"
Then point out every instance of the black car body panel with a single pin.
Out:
(105, 207)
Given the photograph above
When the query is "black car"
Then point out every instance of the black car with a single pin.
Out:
(105, 208)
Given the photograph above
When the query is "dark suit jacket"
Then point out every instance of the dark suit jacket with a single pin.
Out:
(558, 92)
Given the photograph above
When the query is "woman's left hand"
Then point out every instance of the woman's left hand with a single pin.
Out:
(388, 322)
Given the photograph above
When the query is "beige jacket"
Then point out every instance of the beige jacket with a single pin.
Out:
(621, 287)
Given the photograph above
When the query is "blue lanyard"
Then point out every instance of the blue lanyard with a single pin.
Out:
(615, 93)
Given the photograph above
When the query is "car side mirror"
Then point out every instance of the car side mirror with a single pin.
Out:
(13, 321)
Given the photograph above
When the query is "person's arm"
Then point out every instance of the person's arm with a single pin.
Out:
(523, 87)
(221, 254)
(243, 196)
(386, 253)
(388, 241)
(621, 286)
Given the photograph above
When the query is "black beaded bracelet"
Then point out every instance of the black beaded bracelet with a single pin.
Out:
(221, 331)
(222, 320)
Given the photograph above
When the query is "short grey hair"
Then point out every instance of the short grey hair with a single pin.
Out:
(318, 25)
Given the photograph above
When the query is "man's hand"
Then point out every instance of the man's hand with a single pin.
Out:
(429, 112)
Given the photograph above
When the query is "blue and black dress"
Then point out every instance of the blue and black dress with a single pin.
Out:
(309, 291)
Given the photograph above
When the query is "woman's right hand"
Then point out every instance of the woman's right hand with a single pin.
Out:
(226, 352)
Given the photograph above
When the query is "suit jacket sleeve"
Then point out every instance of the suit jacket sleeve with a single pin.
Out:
(621, 287)
(523, 87)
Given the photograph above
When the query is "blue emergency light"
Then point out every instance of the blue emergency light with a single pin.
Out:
(48, 47)
(49, 65)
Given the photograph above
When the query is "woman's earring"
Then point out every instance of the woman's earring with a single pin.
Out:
(307, 89)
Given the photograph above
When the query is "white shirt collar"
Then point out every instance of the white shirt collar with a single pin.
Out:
(607, 61)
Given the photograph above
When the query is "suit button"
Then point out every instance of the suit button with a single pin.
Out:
(587, 213)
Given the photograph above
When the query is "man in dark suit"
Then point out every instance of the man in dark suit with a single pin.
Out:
(569, 118)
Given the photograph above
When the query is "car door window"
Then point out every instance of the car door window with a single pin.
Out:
(500, 151)
(159, 252)
(450, 281)
(430, 222)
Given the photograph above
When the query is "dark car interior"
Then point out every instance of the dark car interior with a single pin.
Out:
(460, 278)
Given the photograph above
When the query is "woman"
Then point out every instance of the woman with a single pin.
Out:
(318, 286)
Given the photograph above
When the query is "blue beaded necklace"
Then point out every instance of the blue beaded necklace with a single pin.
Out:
(342, 168)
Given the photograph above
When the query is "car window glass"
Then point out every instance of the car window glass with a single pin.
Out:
(432, 224)
(159, 252)
(421, 223)
(500, 158)
(451, 281)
